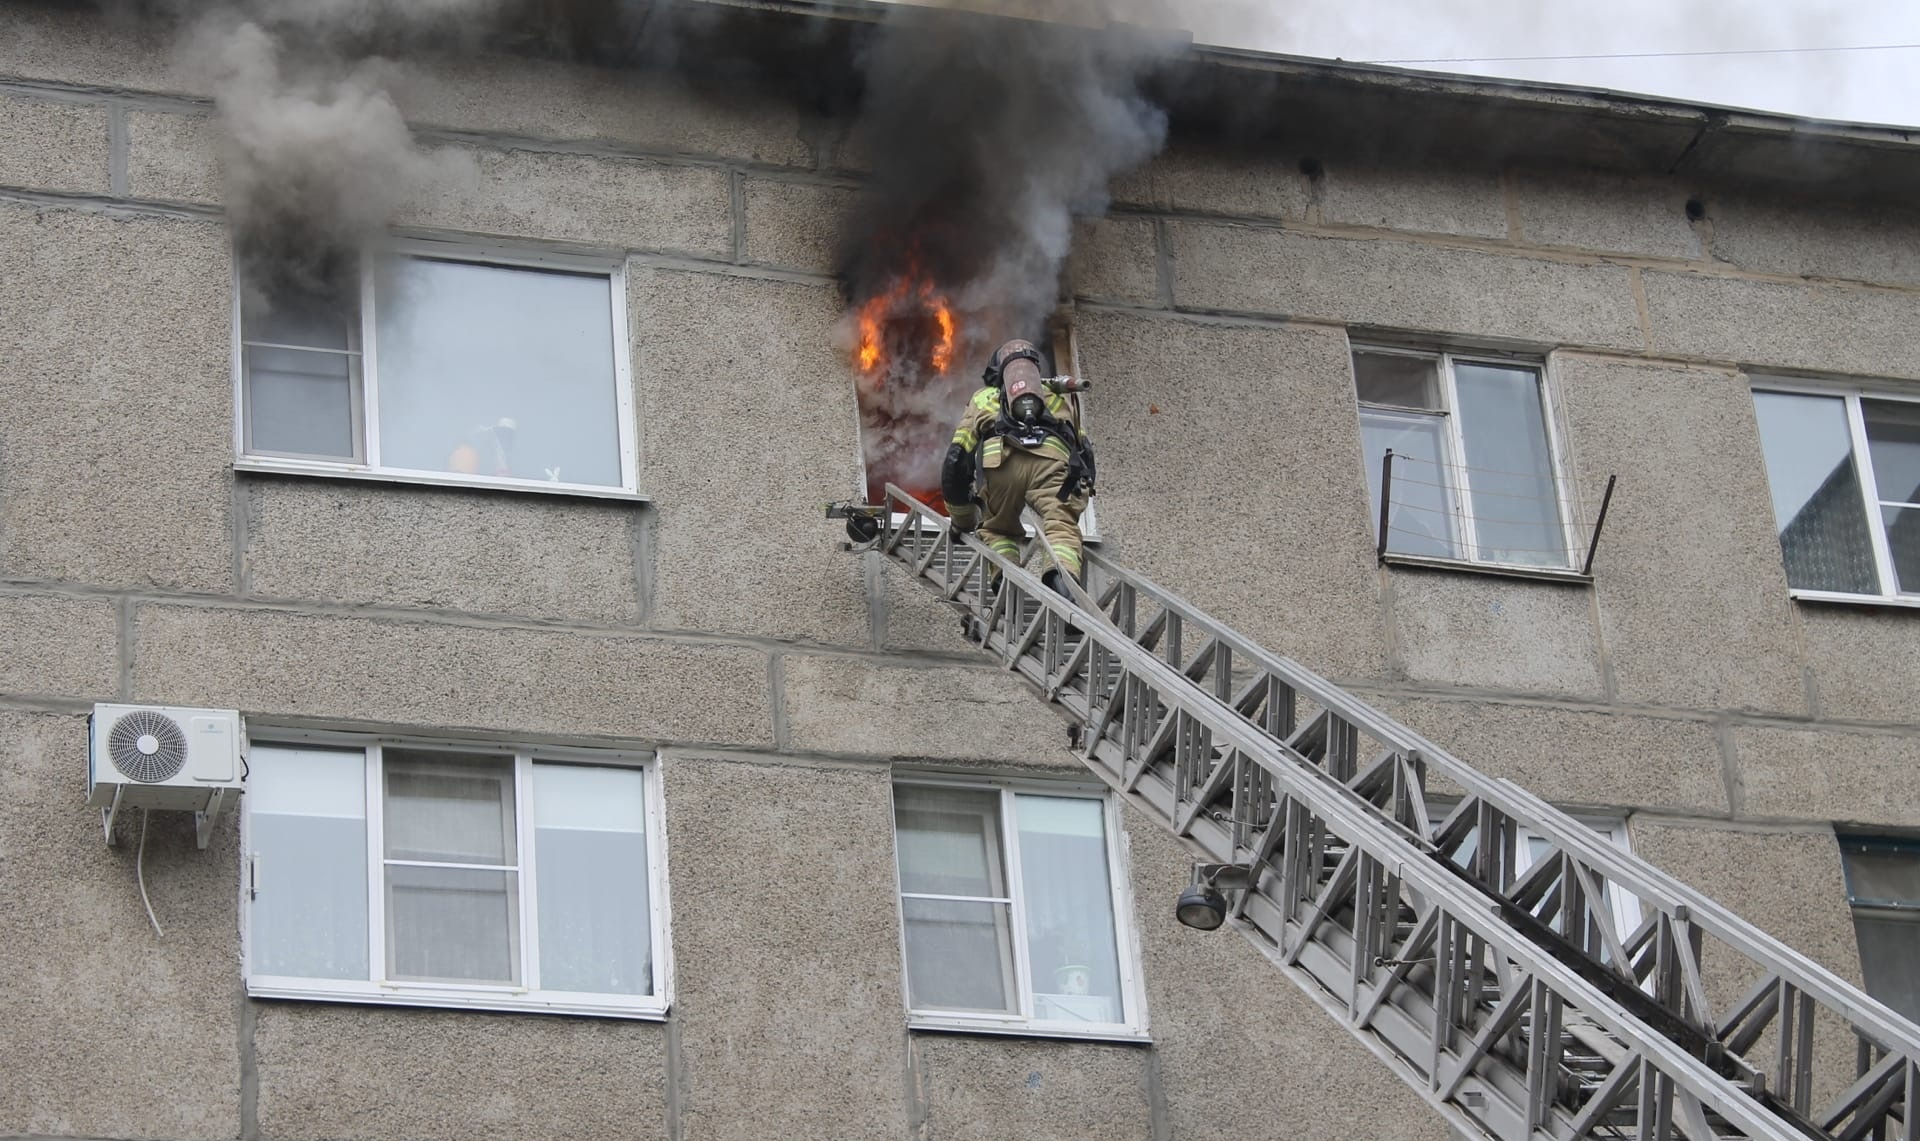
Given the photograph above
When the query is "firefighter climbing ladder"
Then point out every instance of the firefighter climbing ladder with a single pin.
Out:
(1476, 947)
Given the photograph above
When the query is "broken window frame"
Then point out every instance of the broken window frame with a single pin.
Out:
(1457, 492)
(1851, 394)
(523, 996)
(363, 350)
(1132, 1026)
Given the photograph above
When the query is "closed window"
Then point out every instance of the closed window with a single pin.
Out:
(437, 365)
(1883, 884)
(1473, 478)
(1530, 848)
(1844, 470)
(427, 875)
(1010, 898)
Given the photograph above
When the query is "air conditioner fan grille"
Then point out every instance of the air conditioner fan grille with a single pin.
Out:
(146, 746)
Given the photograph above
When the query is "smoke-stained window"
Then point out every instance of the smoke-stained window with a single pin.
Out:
(444, 364)
(427, 875)
(1009, 901)
(1844, 470)
(1462, 449)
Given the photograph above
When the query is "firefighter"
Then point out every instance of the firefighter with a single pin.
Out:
(1019, 445)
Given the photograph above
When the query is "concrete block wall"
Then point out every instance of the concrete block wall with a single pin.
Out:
(1682, 688)
(779, 681)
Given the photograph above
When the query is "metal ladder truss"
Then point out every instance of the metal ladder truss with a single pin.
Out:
(1502, 988)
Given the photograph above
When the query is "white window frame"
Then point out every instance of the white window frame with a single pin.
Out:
(1458, 493)
(1851, 394)
(527, 997)
(366, 395)
(1133, 1027)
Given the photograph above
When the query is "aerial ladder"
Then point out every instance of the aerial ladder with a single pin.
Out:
(1497, 981)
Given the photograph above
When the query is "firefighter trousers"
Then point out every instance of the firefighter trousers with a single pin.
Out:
(1024, 479)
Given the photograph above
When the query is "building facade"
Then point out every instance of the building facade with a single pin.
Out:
(636, 666)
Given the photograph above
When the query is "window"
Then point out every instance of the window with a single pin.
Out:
(1844, 470)
(1009, 902)
(1474, 469)
(1883, 884)
(436, 876)
(1531, 847)
(435, 366)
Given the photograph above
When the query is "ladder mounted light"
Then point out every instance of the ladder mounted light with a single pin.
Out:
(1202, 906)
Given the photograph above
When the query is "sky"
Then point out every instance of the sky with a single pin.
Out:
(1857, 86)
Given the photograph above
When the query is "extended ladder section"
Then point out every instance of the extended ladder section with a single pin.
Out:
(1529, 978)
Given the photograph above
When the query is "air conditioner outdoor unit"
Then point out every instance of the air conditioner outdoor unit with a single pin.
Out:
(151, 756)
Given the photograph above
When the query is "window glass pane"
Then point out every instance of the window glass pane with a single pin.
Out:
(307, 832)
(1068, 898)
(590, 860)
(1420, 520)
(495, 371)
(291, 316)
(1817, 499)
(1893, 441)
(949, 841)
(1405, 382)
(1903, 543)
(300, 403)
(959, 955)
(449, 807)
(1503, 428)
(453, 924)
(1890, 958)
(1882, 873)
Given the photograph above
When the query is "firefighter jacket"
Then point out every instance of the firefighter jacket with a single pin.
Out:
(979, 421)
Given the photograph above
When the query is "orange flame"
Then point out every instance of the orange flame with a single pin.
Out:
(912, 299)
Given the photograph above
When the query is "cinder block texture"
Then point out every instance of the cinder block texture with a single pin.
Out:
(947, 713)
(917, 619)
(1222, 1012)
(175, 158)
(75, 45)
(990, 1089)
(1402, 285)
(1865, 662)
(345, 1073)
(1693, 595)
(1230, 473)
(1494, 633)
(92, 995)
(446, 675)
(1789, 883)
(747, 426)
(786, 950)
(1816, 239)
(46, 145)
(626, 203)
(115, 354)
(1644, 216)
(1824, 774)
(1115, 259)
(794, 225)
(1576, 757)
(1209, 179)
(59, 646)
(528, 97)
(526, 555)
(1830, 328)
(1422, 200)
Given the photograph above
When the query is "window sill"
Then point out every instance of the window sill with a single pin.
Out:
(1500, 570)
(1029, 1030)
(255, 466)
(1828, 597)
(452, 1000)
